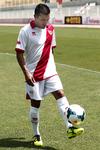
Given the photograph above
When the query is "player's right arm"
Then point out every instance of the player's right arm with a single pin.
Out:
(28, 76)
(20, 48)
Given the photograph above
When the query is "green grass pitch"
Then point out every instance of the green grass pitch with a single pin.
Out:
(78, 63)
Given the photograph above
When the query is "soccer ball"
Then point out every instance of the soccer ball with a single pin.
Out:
(76, 114)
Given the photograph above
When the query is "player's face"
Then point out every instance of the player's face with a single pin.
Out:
(41, 20)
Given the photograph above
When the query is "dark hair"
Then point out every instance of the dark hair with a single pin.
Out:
(42, 9)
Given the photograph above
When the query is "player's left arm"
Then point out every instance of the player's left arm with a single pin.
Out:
(53, 41)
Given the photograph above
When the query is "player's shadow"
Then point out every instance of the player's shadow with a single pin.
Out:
(20, 142)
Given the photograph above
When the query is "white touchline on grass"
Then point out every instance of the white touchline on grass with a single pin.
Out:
(79, 68)
(65, 65)
(10, 54)
(55, 25)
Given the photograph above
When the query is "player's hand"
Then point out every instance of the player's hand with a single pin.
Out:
(29, 79)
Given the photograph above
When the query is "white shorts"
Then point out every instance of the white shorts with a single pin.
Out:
(42, 88)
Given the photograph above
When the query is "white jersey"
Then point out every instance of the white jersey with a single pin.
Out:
(37, 44)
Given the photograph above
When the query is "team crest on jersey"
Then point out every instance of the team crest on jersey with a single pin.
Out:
(33, 33)
(50, 32)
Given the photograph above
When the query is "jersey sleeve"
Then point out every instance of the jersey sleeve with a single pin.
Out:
(21, 41)
(53, 40)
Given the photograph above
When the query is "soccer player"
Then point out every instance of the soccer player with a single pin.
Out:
(34, 52)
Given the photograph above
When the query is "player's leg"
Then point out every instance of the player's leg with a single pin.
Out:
(34, 117)
(63, 106)
(35, 99)
(54, 86)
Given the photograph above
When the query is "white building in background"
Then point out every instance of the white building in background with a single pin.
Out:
(90, 12)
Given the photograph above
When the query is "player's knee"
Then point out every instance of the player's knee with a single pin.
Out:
(35, 103)
(58, 94)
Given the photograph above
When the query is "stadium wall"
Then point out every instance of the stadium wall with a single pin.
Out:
(23, 15)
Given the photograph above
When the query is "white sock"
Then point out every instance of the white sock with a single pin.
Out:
(34, 117)
(63, 105)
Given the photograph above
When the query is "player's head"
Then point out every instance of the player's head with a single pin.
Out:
(41, 15)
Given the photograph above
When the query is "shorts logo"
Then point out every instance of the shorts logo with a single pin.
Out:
(31, 92)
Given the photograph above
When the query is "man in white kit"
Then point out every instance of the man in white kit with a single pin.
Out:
(36, 40)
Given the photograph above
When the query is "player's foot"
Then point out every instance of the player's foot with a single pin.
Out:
(74, 131)
(37, 141)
